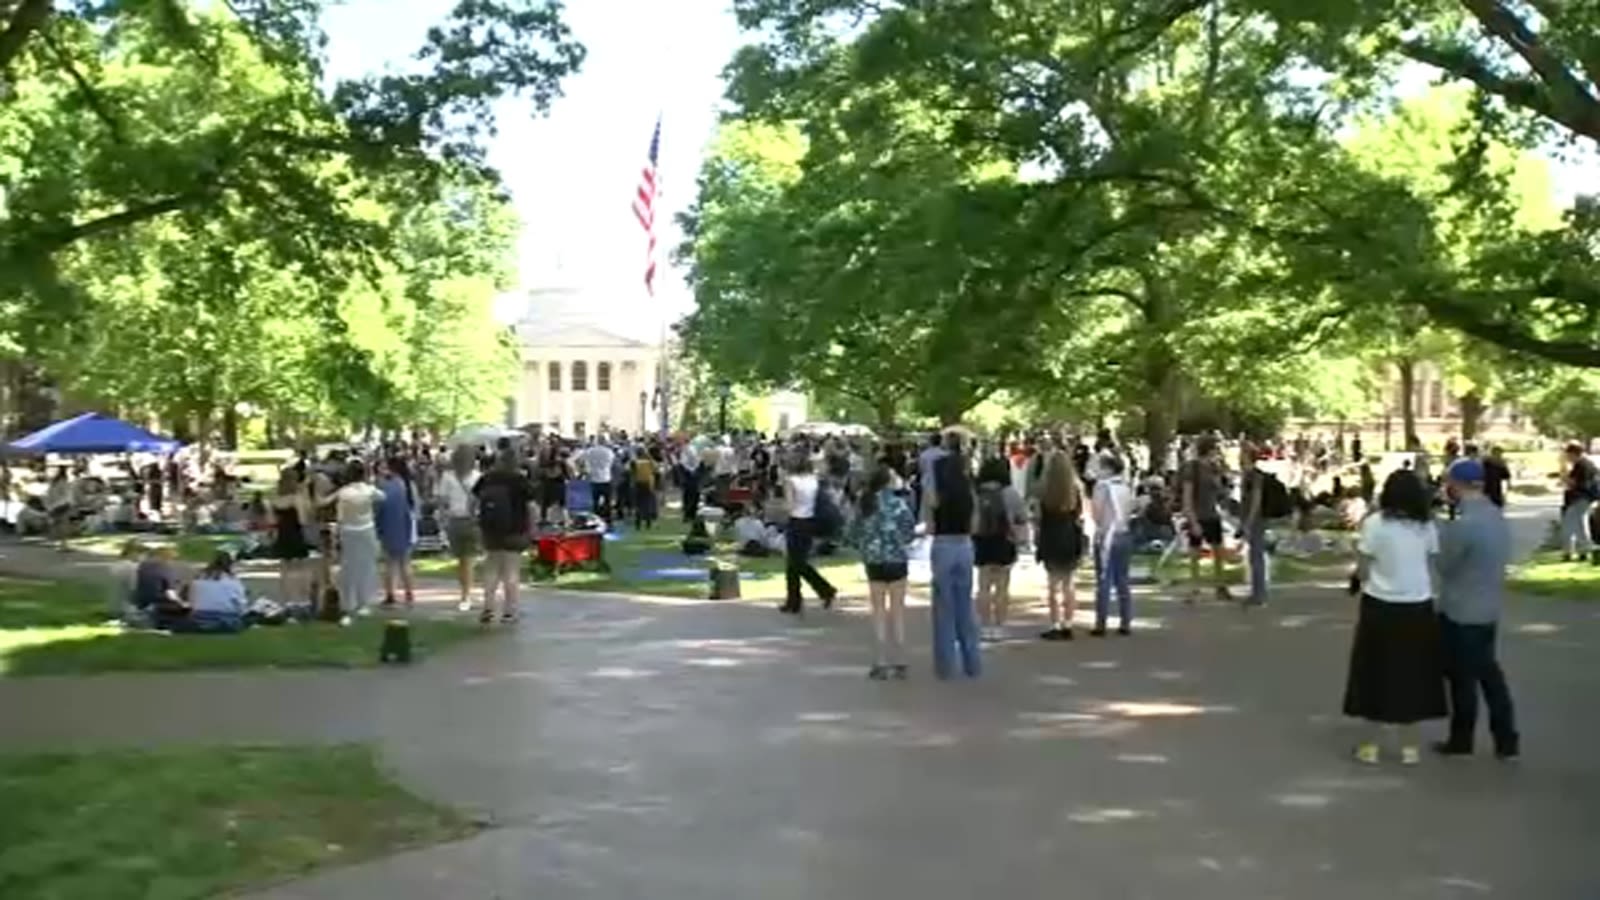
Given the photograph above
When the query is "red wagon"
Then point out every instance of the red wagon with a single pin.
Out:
(567, 551)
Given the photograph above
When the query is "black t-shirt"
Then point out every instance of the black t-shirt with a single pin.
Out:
(953, 515)
(503, 500)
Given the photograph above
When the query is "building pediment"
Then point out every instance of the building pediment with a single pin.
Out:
(533, 336)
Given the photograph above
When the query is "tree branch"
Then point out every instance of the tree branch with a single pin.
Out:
(1555, 73)
(27, 18)
(51, 240)
(1466, 316)
(91, 97)
(1527, 94)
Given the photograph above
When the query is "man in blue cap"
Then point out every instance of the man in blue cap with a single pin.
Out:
(1473, 553)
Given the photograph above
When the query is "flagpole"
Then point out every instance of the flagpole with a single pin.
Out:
(666, 365)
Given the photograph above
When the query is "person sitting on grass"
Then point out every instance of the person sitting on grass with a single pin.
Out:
(157, 591)
(124, 584)
(217, 600)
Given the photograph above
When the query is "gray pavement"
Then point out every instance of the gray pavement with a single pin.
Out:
(631, 748)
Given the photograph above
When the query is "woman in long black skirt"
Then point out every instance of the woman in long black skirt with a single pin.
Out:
(1396, 665)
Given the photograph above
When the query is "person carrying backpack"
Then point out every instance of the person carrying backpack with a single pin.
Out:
(1001, 518)
(505, 498)
(1263, 498)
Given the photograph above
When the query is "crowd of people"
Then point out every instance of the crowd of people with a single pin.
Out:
(1431, 551)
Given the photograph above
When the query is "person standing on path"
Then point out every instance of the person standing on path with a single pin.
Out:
(291, 517)
(1059, 541)
(397, 530)
(1113, 510)
(1473, 553)
(1396, 676)
(882, 531)
(1252, 524)
(951, 515)
(1202, 490)
(505, 500)
(1582, 488)
(1002, 526)
(453, 494)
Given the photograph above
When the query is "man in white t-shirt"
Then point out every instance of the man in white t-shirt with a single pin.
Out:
(597, 461)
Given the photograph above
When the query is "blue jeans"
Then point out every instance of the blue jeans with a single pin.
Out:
(1256, 557)
(1470, 665)
(1114, 555)
(954, 624)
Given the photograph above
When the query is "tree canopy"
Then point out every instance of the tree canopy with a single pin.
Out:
(195, 219)
(1125, 201)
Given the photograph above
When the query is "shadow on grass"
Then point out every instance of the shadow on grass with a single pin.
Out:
(191, 824)
(61, 627)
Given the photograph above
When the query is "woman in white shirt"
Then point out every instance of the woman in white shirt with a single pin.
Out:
(800, 490)
(1396, 674)
(355, 505)
(455, 501)
(1112, 506)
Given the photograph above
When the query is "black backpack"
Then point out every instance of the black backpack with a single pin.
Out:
(1275, 500)
(497, 512)
(992, 519)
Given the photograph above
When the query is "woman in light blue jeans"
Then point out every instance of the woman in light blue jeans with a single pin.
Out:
(1113, 508)
(950, 510)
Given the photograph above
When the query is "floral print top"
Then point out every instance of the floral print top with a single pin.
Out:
(885, 536)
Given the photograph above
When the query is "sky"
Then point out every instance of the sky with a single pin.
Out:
(573, 173)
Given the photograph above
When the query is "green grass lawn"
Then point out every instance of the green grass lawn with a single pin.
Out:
(1546, 575)
(197, 823)
(59, 627)
(195, 548)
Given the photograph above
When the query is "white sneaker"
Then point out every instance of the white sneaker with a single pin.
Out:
(344, 621)
(364, 612)
(464, 606)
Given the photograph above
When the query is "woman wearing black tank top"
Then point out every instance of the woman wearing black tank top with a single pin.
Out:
(291, 512)
(950, 512)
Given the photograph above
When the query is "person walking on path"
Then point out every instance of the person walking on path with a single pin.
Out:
(1396, 676)
(1059, 541)
(801, 493)
(951, 515)
(505, 499)
(1113, 510)
(882, 531)
(1582, 489)
(397, 530)
(1473, 553)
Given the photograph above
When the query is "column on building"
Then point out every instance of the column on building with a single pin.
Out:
(569, 424)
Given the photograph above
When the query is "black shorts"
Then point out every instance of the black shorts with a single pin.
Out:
(886, 572)
(1209, 533)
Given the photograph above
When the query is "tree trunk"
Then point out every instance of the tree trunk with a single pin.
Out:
(884, 409)
(1472, 408)
(1408, 401)
(230, 428)
(25, 19)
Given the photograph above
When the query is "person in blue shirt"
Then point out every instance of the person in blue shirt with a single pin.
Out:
(1473, 552)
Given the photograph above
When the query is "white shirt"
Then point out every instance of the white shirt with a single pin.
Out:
(1398, 551)
(1113, 506)
(802, 496)
(747, 529)
(455, 494)
(355, 503)
(597, 462)
(727, 463)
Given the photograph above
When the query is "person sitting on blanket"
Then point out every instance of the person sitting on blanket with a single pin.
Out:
(157, 588)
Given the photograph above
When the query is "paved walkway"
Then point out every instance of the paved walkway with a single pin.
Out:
(679, 750)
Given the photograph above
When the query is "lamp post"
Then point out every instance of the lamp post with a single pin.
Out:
(723, 390)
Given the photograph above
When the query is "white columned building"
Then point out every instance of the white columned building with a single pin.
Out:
(583, 371)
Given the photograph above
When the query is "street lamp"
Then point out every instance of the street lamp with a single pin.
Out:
(723, 390)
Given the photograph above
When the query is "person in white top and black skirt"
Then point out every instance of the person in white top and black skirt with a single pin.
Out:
(1396, 674)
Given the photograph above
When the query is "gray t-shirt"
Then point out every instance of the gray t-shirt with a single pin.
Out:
(1206, 476)
(1473, 553)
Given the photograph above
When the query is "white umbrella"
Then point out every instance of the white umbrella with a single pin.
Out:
(479, 435)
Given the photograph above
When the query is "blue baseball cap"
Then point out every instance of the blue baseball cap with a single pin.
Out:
(1466, 471)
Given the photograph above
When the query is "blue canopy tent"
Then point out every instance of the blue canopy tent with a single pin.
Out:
(92, 433)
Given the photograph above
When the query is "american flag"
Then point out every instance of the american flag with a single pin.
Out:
(644, 209)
